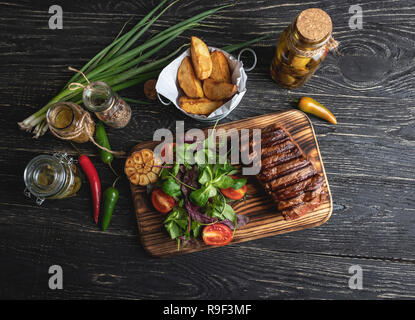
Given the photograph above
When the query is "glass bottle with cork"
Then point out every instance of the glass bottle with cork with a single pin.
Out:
(98, 97)
(302, 47)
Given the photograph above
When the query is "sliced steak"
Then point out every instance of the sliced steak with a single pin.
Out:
(306, 185)
(282, 169)
(270, 136)
(273, 136)
(278, 147)
(304, 207)
(287, 175)
(279, 158)
(302, 197)
(291, 178)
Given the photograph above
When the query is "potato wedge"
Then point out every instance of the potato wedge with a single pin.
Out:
(220, 67)
(199, 106)
(216, 90)
(191, 85)
(201, 59)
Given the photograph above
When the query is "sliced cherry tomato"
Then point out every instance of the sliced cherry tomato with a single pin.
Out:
(217, 234)
(161, 201)
(233, 194)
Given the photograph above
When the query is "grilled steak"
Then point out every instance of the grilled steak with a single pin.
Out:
(269, 162)
(287, 175)
(269, 173)
(306, 185)
(283, 181)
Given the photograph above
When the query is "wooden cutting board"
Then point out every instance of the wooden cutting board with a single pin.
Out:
(264, 219)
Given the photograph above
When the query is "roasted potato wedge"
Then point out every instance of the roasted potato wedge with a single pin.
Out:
(199, 106)
(191, 85)
(220, 67)
(216, 90)
(201, 59)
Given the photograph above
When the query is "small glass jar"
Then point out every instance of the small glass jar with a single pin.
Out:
(301, 48)
(51, 177)
(64, 119)
(99, 98)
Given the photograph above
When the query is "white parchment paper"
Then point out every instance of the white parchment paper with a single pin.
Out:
(168, 85)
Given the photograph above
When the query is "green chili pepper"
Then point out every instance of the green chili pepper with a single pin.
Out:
(102, 139)
(111, 196)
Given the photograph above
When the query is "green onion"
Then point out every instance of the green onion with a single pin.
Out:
(122, 67)
(117, 63)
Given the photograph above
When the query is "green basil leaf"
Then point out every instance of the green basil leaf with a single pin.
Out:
(238, 183)
(177, 222)
(224, 182)
(175, 169)
(164, 173)
(211, 191)
(171, 187)
(173, 229)
(229, 213)
(182, 223)
(205, 176)
(196, 226)
(200, 196)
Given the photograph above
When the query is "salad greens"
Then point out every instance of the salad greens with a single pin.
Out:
(195, 181)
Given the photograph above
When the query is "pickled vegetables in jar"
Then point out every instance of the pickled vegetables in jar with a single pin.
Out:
(301, 48)
(52, 177)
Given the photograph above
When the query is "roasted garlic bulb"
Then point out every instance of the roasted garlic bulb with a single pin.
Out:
(142, 167)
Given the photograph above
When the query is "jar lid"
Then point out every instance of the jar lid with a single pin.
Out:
(314, 24)
(44, 176)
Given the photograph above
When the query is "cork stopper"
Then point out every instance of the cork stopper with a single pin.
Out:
(314, 24)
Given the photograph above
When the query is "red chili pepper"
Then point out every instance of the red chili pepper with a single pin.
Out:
(94, 182)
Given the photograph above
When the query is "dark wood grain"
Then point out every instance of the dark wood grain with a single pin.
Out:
(369, 159)
(264, 218)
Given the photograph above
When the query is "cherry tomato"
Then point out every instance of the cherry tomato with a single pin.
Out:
(233, 194)
(217, 234)
(161, 201)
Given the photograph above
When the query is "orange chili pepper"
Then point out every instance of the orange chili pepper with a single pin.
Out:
(309, 105)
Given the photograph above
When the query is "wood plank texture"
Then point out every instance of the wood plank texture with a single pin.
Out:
(264, 218)
(368, 157)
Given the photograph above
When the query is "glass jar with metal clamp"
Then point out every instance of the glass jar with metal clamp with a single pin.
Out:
(51, 177)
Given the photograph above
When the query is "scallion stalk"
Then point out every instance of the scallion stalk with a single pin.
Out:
(122, 67)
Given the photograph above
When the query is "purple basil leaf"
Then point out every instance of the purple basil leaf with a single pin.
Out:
(241, 220)
(190, 178)
(189, 242)
(196, 215)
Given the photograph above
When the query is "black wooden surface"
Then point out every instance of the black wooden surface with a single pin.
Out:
(369, 158)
